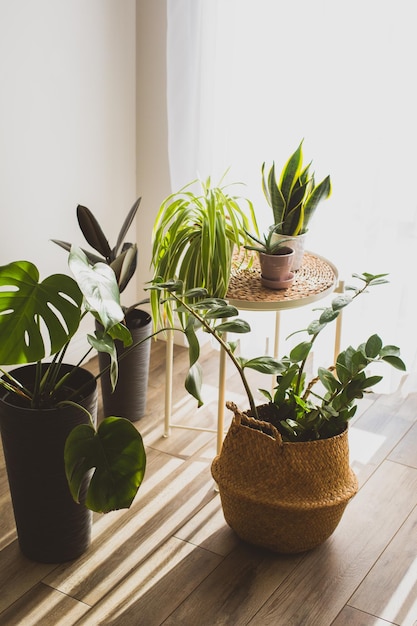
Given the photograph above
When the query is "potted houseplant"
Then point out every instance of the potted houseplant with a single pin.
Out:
(294, 199)
(128, 398)
(283, 472)
(275, 259)
(60, 465)
(194, 237)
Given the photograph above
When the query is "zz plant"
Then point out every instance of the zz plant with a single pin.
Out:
(298, 410)
(295, 196)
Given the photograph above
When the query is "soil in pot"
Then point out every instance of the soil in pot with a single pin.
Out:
(129, 397)
(51, 527)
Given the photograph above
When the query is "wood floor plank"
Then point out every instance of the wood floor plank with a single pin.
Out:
(136, 533)
(209, 530)
(18, 575)
(43, 606)
(172, 559)
(236, 589)
(353, 617)
(376, 433)
(406, 450)
(156, 587)
(390, 589)
(320, 587)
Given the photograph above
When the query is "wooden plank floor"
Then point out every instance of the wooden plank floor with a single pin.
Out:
(172, 560)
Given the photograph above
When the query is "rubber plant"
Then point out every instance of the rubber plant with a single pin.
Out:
(295, 196)
(194, 237)
(122, 257)
(299, 411)
(38, 320)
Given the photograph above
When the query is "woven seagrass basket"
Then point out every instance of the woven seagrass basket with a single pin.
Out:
(287, 497)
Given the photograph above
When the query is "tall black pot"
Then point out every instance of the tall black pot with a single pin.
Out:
(51, 527)
(129, 397)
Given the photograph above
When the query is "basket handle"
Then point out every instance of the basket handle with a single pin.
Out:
(245, 420)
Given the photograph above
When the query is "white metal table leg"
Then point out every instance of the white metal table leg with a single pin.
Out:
(169, 351)
(221, 400)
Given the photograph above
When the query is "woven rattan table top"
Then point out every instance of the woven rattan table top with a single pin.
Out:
(316, 278)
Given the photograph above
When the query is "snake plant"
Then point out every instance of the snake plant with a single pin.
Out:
(295, 196)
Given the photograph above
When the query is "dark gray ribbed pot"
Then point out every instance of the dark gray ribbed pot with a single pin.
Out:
(129, 397)
(51, 527)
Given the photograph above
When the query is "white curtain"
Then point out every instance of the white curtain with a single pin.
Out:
(248, 79)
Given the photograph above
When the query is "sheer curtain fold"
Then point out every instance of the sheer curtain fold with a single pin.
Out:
(248, 79)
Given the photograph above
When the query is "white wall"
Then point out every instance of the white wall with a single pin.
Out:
(67, 123)
(153, 179)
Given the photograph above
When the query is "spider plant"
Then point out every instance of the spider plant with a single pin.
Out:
(194, 236)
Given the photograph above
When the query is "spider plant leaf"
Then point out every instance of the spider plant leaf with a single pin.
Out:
(92, 231)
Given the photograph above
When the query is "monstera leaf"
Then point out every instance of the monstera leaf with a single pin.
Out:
(116, 453)
(27, 306)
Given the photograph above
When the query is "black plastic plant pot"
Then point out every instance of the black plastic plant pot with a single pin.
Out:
(51, 526)
(129, 397)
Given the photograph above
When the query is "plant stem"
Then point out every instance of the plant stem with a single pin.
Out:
(225, 346)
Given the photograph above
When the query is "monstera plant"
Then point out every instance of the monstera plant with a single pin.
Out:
(38, 320)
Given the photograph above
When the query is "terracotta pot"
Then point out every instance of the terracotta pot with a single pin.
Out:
(297, 244)
(284, 496)
(51, 527)
(129, 397)
(276, 268)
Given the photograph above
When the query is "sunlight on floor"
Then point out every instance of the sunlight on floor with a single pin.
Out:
(363, 445)
(403, 603)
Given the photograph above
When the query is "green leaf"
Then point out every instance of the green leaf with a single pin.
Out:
(328, 315)
(116, 453)
(24, 301)
(193, 343)
(124, 265)
(373, 346)
(221, 312)
(300, 352)
(92, 231)
(329, 382)
(102, 342)
(235, 326)
(370, 381)
(265, 365)
(194, 381)
(99, 287)
(315, 327)
(396, 362)
(341, 301)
